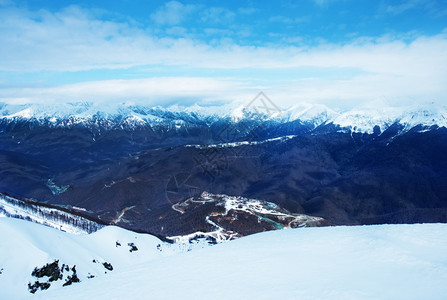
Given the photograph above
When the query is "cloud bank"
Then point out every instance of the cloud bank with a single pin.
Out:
(400, 67)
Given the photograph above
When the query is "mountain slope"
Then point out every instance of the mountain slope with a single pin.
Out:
(25, 246)
(384, 165)
(342, 177)
(52, 216)
(367, 262)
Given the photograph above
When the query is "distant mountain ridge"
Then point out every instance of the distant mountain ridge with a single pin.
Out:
(362, 119)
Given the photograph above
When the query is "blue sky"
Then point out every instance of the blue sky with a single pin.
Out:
(341, 53)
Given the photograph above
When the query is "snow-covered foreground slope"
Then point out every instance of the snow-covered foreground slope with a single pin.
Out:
(25, 246)
(368, 262)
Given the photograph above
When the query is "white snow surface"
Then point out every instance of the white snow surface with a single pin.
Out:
(316, 114)
(25, 245)
(362, 262)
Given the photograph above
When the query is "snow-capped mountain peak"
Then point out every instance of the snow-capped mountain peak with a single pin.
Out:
(238, 113)
(307, 112)
(68, 114)
(427, 115)
(365, 118)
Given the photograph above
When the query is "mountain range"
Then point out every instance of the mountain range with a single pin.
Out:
(360, 119)
(130, 164)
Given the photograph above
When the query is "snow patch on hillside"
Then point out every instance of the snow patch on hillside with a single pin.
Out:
(242, 143)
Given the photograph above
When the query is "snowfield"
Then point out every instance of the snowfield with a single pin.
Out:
(362, 262)
(25, 245)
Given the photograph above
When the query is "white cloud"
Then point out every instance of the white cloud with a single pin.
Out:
(177, 30)
(342, 93)
(217, 15)
(404, 6)
(172, 13)
(73, 39)
(152, 91)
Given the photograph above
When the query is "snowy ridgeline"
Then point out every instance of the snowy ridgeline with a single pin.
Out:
(360, 119)
(46, 215)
